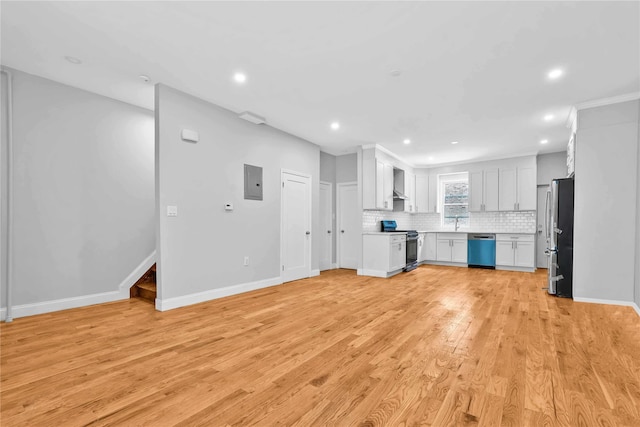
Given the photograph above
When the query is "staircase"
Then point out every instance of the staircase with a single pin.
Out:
(145, 287)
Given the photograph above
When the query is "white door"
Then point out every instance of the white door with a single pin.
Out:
(349, 226)
(541, 240)
(326, 226)
(296, 226)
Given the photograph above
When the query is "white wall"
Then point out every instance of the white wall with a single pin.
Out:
(83, 193)
(201, 250)
(551, 166)
(606, 188)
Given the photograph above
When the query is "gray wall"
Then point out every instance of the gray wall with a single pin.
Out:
(551, 166)
(83, 190)
(347, 168)
(202, 249)
(605, 202)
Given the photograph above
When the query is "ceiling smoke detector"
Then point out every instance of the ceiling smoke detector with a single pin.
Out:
(144, 78)
(253, 118)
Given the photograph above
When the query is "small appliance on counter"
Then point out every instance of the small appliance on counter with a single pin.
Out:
(481, 250)
(389, 226)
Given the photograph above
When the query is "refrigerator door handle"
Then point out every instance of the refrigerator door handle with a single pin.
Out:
(557, 230)
(546, 214)
(556, 278)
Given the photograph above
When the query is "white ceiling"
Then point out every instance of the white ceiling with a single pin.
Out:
(473, 72)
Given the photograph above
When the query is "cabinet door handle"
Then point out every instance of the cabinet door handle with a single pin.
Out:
(342, 231)
(399, 246)
(307, 233)
(328, 231)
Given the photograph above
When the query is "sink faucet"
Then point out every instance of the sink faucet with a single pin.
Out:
(457, 225)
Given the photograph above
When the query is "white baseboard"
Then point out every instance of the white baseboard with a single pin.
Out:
(609, 302)
(334, 266)
(138, 272)
(315, 273)
(513, 268)
(64, 304)
(184, 300)
(377, 273)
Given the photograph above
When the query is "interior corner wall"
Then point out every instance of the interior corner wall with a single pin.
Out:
(83, 197)
(606, 189)
(201, 251)
(328, 174)
(551, 166)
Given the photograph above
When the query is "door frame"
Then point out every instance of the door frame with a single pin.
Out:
(303, 175)
(338, 216)
(331, 213)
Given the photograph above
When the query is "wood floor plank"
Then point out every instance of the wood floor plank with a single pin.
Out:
(436, 346)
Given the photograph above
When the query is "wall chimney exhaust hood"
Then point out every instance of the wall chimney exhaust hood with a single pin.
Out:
(398, 195)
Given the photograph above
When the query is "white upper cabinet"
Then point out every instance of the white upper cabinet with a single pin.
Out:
(433, 193)
(377, 184)
(422, 194)
(426, 199)
(483, 190)
(517, 188)
(527, 189)
(410, 192)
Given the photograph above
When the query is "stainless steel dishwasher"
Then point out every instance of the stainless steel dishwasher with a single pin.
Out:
(481, 250)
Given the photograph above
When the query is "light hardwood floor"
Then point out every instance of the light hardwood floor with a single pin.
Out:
(439, 346)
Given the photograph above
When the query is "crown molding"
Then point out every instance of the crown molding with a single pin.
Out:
(389, 153)
(607, 101)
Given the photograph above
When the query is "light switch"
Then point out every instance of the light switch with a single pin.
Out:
(190, 135)
(172, 211)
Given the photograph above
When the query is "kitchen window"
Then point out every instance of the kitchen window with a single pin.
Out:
(454, 192)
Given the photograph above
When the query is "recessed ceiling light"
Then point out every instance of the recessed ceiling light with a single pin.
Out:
(430, 158)
(407, 141)
(395, 73)
(555, 73)
(454, 142)
(544, 141)
(548, 117)
(73, 60)
(335, 125)
(240, 77)
(144, 78)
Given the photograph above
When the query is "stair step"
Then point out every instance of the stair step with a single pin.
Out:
(147, 290)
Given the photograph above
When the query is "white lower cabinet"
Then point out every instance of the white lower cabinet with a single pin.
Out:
(383, 254)
(427, 248)
(515, 250)
(451, 247)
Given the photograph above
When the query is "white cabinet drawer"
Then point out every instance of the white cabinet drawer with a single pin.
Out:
(515, 237)
(398, 238)
(452, 236)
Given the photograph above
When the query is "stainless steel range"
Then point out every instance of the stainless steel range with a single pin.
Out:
(388, 226)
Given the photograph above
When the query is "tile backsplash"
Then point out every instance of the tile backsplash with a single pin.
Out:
(500, 222)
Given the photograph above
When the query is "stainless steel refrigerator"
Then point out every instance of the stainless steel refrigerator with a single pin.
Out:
(559, 226)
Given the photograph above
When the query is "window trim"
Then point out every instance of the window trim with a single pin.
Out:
(460, 177)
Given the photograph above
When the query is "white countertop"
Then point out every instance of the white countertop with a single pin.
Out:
(474, 232)
(388, 233)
